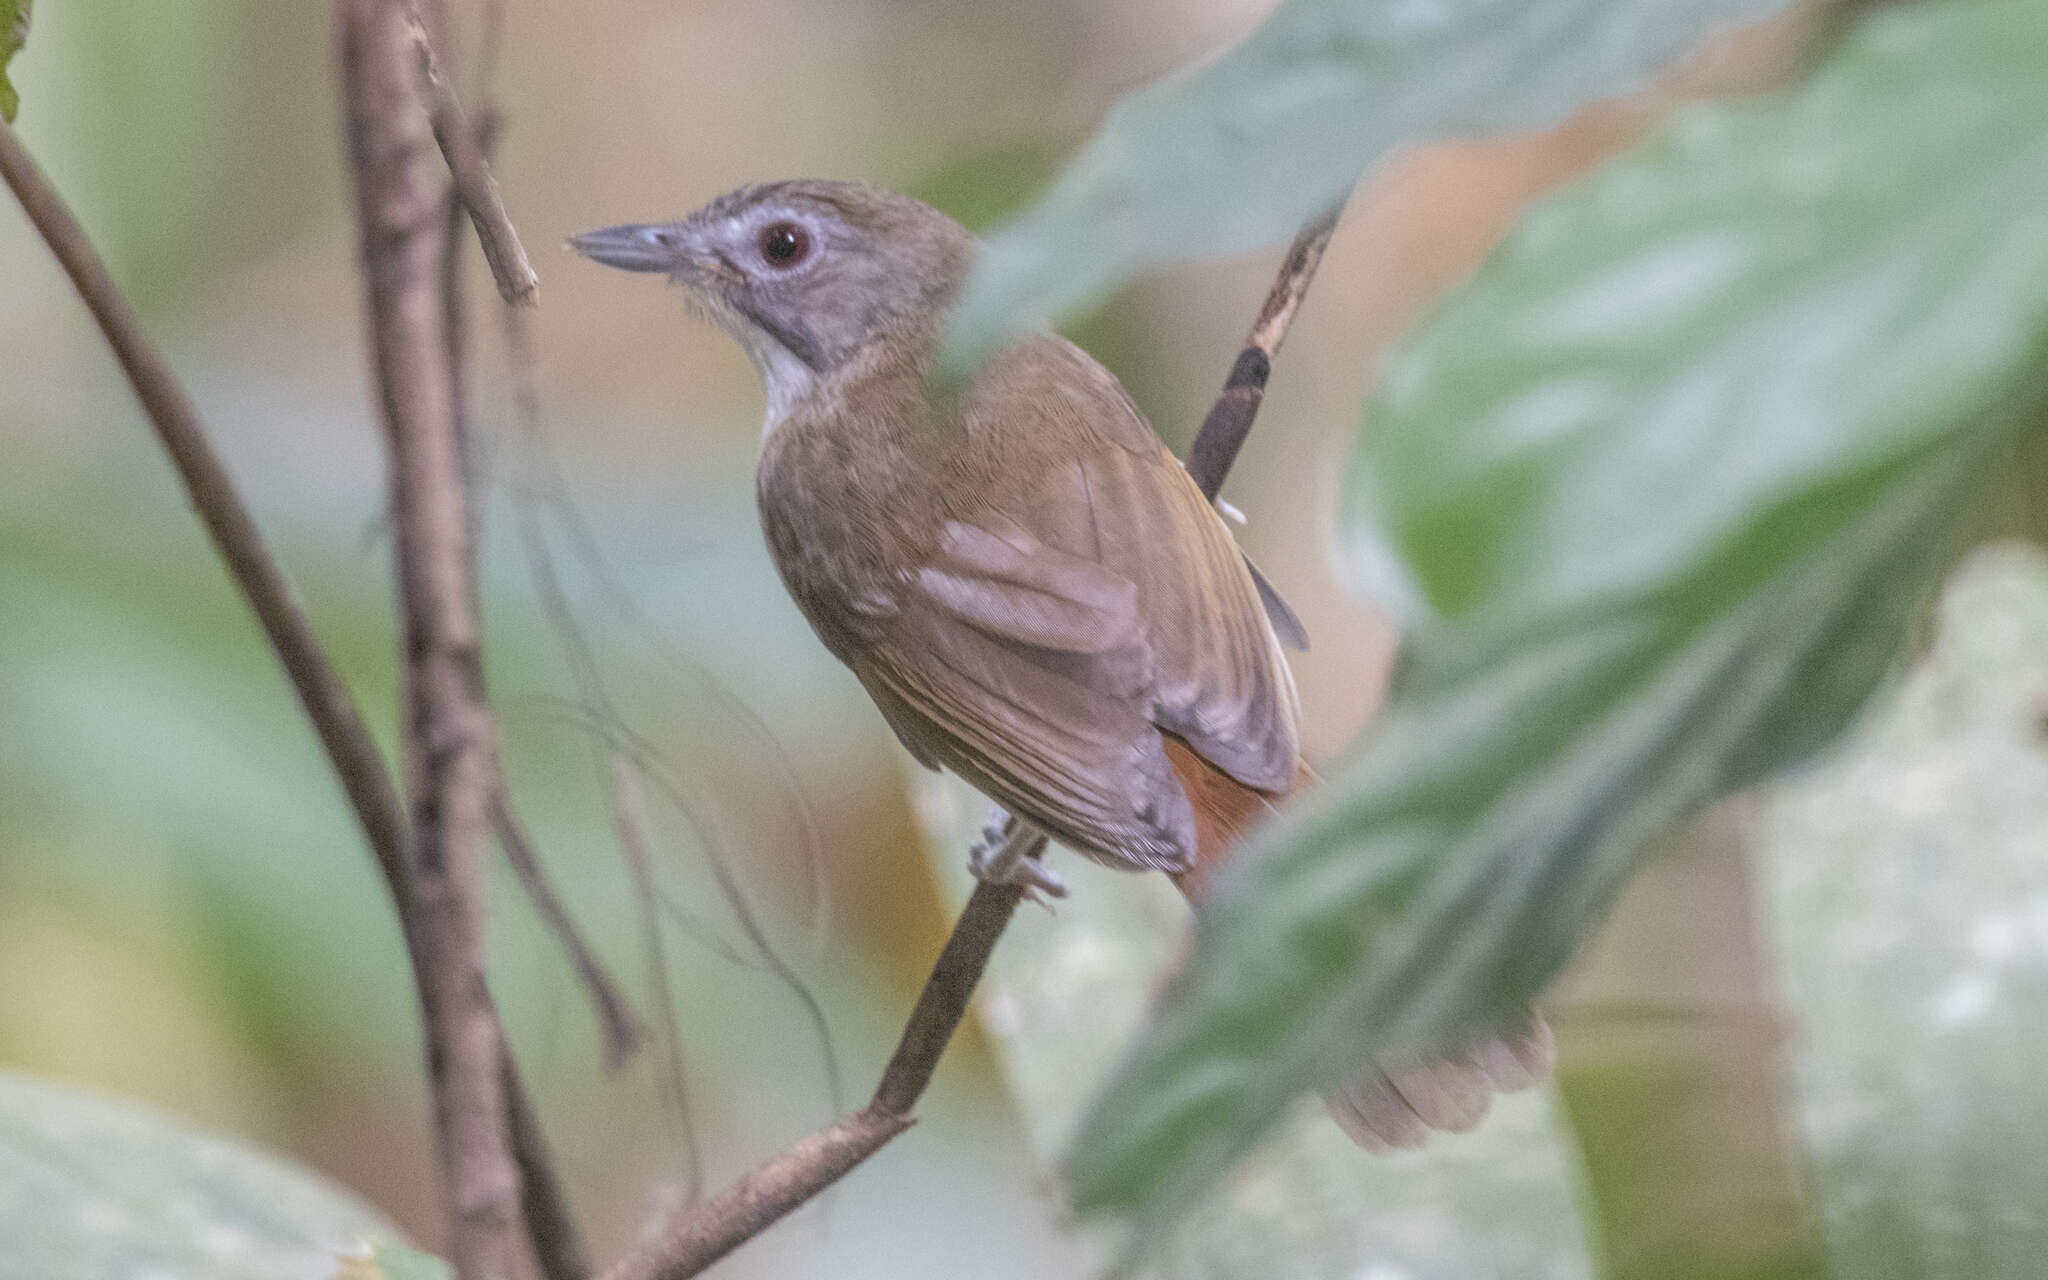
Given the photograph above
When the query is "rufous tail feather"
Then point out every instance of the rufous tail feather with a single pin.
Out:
(1385, 1104)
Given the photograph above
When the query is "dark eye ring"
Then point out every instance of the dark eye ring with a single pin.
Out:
(784, 244)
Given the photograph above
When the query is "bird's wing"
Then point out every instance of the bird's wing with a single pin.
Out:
(1060, 625)
(1026, 670)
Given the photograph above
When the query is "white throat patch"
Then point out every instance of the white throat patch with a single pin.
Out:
(785, 378)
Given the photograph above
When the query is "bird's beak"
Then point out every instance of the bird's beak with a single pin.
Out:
(675, 249)
(634, 248)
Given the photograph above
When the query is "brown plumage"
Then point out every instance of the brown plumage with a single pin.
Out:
(1028, 584)
(1034, 593)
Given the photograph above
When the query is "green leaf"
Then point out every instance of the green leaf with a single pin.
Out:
(1244, 151)
(1667, 479)
(13, 35)
(94, 1190)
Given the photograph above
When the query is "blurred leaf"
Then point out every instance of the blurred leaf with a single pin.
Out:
(389, 1260)
(1243, 151)
(1672, 473)
(1910, 904)
(13, 35)
(94, 1190)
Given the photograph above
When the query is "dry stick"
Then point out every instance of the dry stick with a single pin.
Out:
(401, 192)
(344, 736)
(474, 185)
(630, 832)
(619, 1028)
(1230, 418)
(699, 1237)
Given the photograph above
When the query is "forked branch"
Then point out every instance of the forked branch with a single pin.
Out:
(475, 187)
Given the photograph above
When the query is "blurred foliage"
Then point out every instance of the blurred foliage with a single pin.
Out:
(1670, 478)
(13, 35)
(92, 1190)
(1904, 899)
(1908, 893)
(1243, 151)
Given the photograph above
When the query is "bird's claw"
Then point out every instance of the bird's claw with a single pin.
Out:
(1002, 856)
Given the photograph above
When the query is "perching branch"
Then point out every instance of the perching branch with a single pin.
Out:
(698, 1237)
(400, 193)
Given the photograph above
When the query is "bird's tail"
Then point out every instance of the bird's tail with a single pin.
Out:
(1386, 1103)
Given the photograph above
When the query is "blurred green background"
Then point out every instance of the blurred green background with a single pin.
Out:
(1817, 1021)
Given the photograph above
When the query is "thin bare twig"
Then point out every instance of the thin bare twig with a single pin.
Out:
(546, 485)
(449, 735)
(762, 1197)
(1230, 418)
(474, 184)
(631, 833)
(622, 1031)
(699, 1237)
(629, 748)
(624, 756)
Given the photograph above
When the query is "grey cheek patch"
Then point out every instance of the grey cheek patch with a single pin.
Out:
(793, 340)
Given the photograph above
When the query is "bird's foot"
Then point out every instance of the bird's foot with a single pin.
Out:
(1007, 853)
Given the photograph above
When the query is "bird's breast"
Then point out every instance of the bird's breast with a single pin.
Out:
(846, 520)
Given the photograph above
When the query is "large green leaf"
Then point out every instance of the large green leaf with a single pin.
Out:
(93, 1190)
(13, 35)
(1667, 479)
(1242, 152)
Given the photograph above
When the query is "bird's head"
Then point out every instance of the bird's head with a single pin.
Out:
(803, 273)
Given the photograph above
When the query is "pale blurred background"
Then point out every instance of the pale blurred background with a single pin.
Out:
(187, 915)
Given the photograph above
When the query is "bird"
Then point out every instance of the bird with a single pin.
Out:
(1028, 584)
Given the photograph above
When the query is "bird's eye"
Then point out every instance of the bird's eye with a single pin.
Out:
(784, 244)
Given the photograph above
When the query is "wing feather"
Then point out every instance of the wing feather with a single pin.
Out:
(1059, 628)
